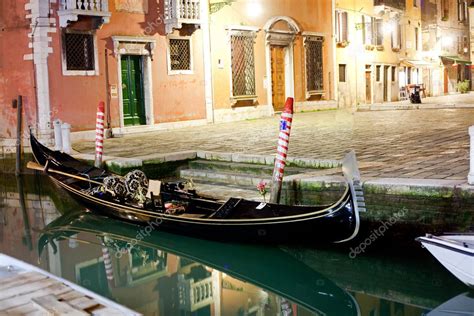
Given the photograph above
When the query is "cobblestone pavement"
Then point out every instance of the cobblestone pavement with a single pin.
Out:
(420, 144)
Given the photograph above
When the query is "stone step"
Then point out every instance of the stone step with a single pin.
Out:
(240, 168)
(209, 176)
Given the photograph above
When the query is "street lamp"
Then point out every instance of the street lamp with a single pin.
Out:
(254, 8)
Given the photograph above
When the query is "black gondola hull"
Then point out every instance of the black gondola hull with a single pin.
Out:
(336, 223)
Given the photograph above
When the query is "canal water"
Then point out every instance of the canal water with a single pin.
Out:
(158, 273)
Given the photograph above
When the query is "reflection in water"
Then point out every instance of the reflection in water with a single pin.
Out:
(195, 275)
(164, 274)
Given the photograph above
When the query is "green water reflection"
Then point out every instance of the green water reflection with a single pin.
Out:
(157, 273)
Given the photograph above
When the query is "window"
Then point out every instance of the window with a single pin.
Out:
(367, 30)
(444, 10)
(179, 55)
(314, 64)
(342, 73)
(378, 32)
(243, 63)
(409, 75)
(396, 35)
(465, 48)
(415, 3)
(341, 27)
(462, 7)
(417, 43)
(377, 72)
(394, 73)
(79, 53)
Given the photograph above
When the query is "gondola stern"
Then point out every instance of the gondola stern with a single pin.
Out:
(351, 173)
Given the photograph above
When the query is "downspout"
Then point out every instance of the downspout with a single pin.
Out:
(333, 45)
(207, 58)
(40, 26)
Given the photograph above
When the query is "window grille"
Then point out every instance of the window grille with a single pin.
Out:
(243, 63)
(314, 63)
(180, 54)
(341, 27)
(79, 51)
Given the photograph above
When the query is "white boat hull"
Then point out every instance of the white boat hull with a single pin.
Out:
(455, 252)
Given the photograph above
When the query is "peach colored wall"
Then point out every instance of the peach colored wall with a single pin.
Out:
(16, 75)
(310, 15)
(74, 98)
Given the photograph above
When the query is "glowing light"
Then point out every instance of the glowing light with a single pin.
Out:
(388, 28)
(447, 41)
(254, 8)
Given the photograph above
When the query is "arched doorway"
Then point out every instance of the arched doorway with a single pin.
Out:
(280, 35)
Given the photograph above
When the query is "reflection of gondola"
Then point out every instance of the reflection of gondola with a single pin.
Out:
(267, 267)
(236, 219)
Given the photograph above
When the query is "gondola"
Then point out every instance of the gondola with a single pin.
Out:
(268, 267)
(181, 210)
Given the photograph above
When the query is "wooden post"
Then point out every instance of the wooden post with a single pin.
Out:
(283, 141)
(18, 135)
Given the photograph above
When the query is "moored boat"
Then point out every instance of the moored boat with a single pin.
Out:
(455, 252)
(183, 211)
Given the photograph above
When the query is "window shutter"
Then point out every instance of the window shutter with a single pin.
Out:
(344, 27)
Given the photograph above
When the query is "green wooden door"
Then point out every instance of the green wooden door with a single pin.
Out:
(132, 90)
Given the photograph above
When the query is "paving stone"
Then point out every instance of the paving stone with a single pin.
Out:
(402, 144)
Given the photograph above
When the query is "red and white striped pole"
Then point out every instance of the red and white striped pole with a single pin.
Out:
(108, 264)
(282, 151)
(99, 135)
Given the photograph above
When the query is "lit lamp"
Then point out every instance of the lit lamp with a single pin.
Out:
(254, 8)
(388, 28)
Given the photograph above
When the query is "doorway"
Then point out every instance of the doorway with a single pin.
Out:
(385, 83)
(446, 80)
(132, 90)
(278, 77)
(368, 87)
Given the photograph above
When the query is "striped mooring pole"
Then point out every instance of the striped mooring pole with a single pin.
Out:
(282, 151)
(99, 135)
(108, 264)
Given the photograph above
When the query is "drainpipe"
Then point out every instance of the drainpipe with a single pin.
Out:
(40, 26)
(207, 58)
(333, 45)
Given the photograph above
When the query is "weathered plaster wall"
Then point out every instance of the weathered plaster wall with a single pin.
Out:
(16, 75)
(310, 15)
(175, 97)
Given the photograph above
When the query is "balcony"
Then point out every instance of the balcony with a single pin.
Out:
(382, 6)
(70, 10)
(179, 12)
(195, 295)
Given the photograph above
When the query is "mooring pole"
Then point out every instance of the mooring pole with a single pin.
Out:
(470, 177)
(19, 106)
(99, 135)
(283, 141)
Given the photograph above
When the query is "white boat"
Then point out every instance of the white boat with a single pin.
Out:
(460, 305)
(455, 252)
